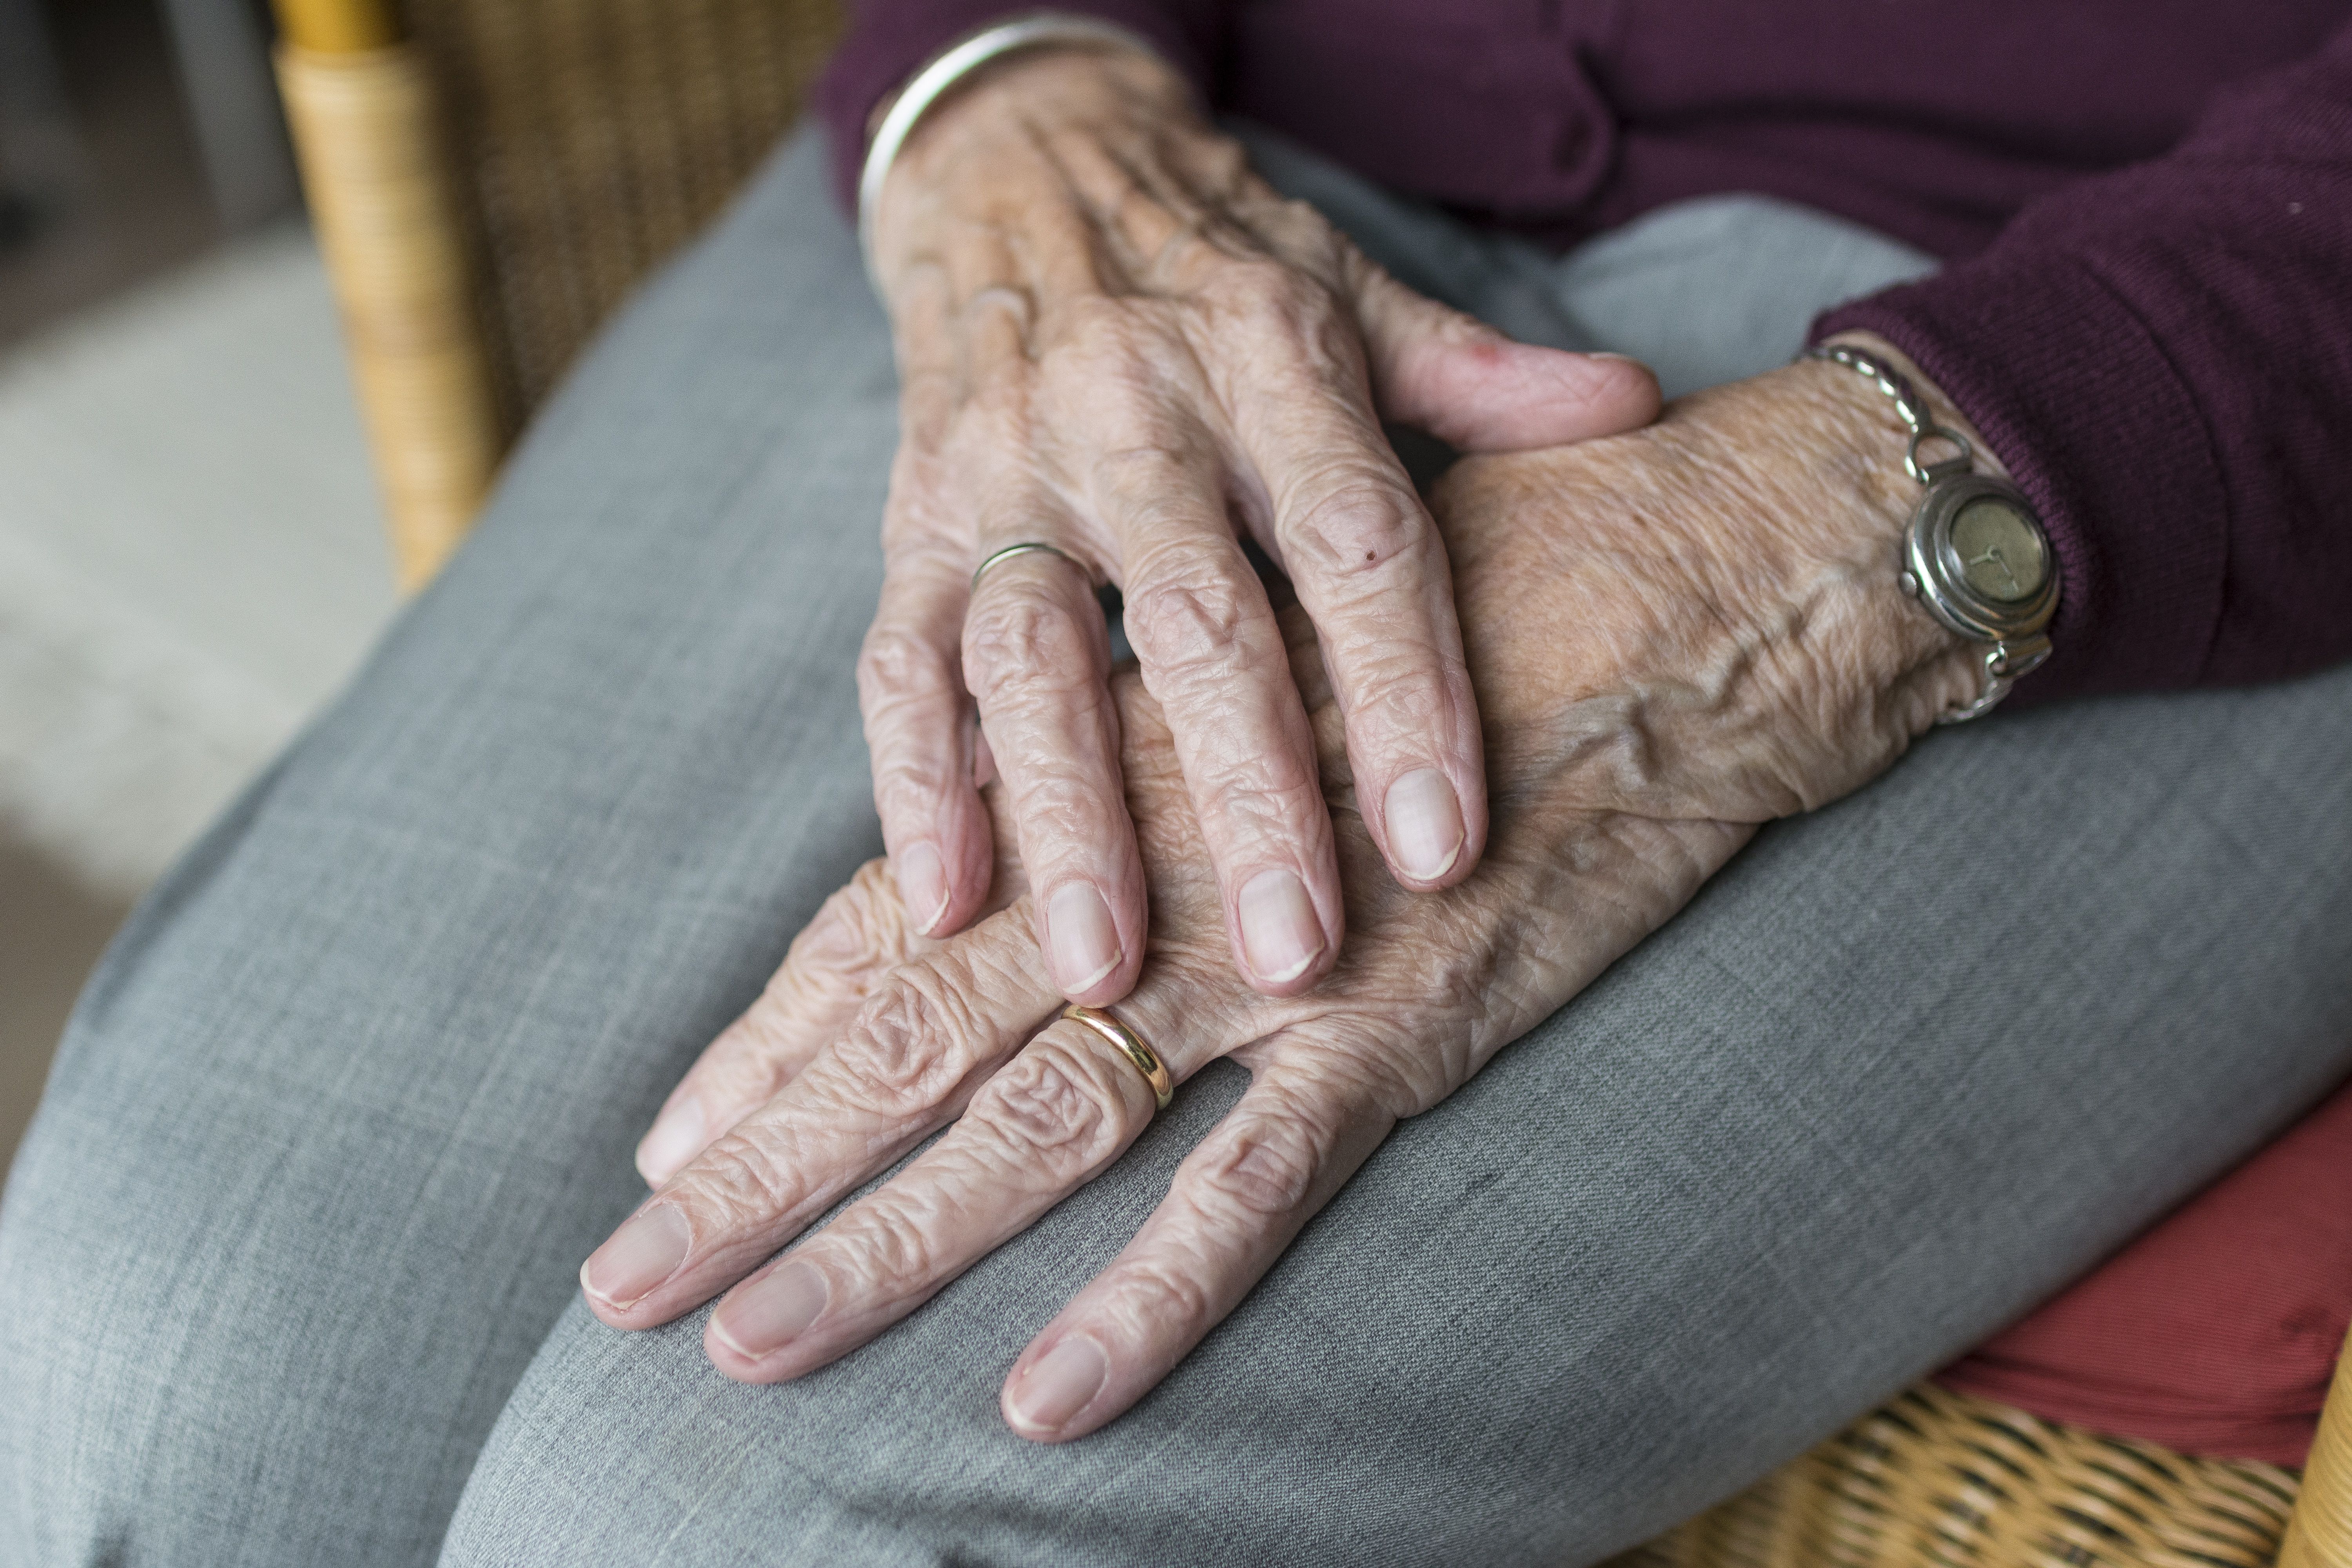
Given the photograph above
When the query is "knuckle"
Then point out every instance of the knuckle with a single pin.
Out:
(1150, 475)
(1195, 616)
(910, 1046)
(861, 929)
(1370, 1067)
(908, 786)
(1264, 793)
(1272, 291)
(908, 798)
(896, 659)
(1397, 695)
(1263, 1170)
(1303, 233)
(1159, 1293)
(1353, 521)
(1052, 1112)
(1107, 347)
(738, 1181)
(892, 1241)
(1098, 324)
(753, 1057)
(1020, 638)
(1307, 212)
(1224, 168)
(1000, 305)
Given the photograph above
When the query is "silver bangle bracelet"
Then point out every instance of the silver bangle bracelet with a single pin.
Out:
(931, 83)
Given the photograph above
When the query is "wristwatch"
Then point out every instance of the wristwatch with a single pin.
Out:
(1975, 554)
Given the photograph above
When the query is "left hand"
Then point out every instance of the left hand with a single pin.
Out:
(1116, 341)
(1676, 635)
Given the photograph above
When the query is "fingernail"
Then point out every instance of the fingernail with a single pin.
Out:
(922, 885)
(1083, 940)
(1424, 824)
(1604, 354)
(770, 1313)
(1280, 933)
(1059, 1386)
(638, 1257)
(676, 1137)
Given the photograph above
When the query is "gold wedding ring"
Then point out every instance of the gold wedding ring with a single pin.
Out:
(1029, 547)
(1130, 1046)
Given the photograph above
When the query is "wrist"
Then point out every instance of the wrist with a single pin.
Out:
(1855, 441)
(1060, 71)
(987, 143)
(1946, 412)
(1974, 557)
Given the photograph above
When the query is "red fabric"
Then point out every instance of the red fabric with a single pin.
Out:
(2217, 1331)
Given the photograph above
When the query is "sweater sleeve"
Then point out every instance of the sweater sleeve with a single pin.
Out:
(2163, 357)
(888, 40)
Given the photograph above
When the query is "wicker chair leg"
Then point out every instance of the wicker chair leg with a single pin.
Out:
(391, 230)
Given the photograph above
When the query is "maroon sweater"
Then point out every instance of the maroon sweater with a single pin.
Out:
(2147, 204)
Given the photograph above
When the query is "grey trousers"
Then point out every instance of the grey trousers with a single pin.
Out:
(287, 1266)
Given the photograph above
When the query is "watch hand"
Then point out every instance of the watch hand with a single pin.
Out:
(1992, 553)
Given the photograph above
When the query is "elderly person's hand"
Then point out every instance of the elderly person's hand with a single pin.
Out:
(1676, 635)
(1115, 340)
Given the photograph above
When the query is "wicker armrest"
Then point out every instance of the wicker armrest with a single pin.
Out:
(385, 205)
(490, 178)
(1938, 1480)
(2321, 1535)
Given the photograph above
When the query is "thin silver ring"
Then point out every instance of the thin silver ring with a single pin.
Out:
(1029, 547)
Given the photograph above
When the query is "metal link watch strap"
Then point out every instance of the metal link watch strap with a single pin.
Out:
(2000, 674)
(2006, 658)
(1909, 407)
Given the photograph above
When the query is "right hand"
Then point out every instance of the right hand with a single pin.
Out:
(1115, 339)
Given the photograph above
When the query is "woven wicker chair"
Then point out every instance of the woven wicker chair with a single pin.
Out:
(488, 177)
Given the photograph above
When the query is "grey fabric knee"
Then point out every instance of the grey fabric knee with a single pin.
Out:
(357, 1091)
(348, 1103)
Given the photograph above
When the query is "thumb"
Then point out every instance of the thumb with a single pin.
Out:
(1470, 387)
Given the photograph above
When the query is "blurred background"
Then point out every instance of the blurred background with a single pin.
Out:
(191, 549)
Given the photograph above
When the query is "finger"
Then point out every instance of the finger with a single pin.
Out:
(1212, 654)
(859, 936)
(923, 1042)
(1461, 381)
(1050, 1121)
(1037, 654)
(1036, 657)
(1370, 572)
(1238, 1200)
(910, 691)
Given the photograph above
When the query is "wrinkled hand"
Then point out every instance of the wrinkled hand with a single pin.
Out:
(1676, 635)
(1114, 339)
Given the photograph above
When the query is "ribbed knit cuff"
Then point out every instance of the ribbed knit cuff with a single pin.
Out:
(892, 40)
(2077, 398)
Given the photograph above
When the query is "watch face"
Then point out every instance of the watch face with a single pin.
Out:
(2001, 553)
(1977, 560)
